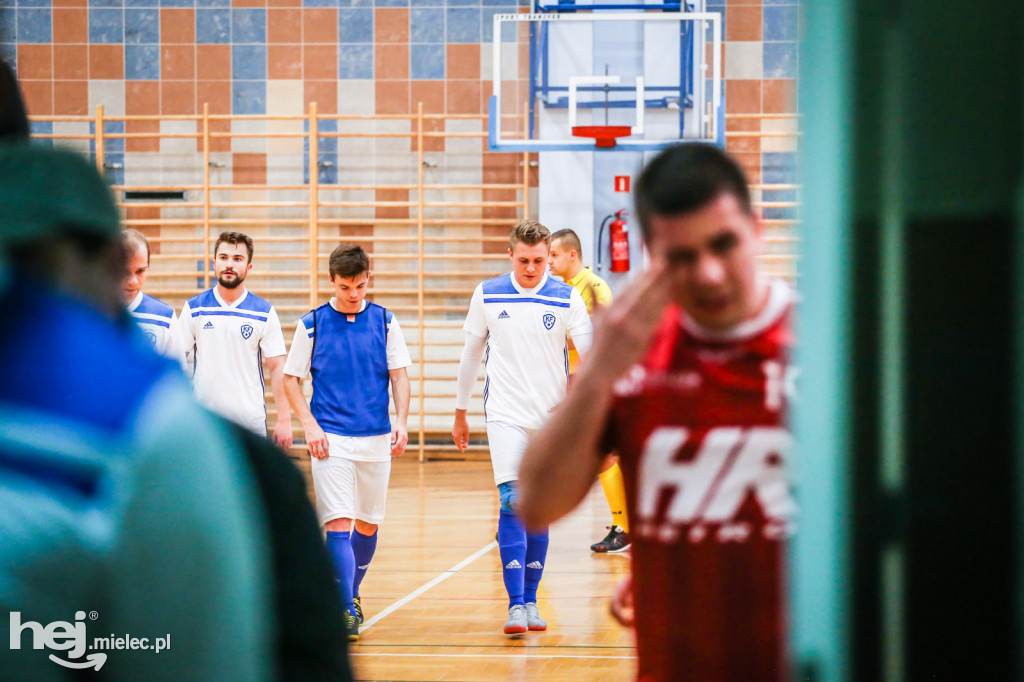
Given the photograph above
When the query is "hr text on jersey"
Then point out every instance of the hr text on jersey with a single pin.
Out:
(703, 496)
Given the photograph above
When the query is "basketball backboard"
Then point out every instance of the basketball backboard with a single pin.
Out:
(594, 79)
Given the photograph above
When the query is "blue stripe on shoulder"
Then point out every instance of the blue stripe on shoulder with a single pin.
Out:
(555, 289)
(154, 306)
(203, 300)
(254, 303)
(500, 285)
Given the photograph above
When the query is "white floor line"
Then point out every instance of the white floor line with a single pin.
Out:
(423, 588)
(525, 654)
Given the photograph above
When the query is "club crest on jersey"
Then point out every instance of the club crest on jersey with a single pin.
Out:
(246, 331)
(549, 320)
(150, 338)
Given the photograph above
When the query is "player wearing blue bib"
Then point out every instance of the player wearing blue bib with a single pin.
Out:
(523, 319)
(354, 350)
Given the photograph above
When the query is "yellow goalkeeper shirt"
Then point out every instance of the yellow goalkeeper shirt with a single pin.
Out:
(596, 293)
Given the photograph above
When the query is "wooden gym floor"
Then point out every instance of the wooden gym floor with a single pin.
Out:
(435, 603)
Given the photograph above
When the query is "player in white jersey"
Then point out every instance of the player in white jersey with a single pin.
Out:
(522, 318)
(226, 332)
(155, 318)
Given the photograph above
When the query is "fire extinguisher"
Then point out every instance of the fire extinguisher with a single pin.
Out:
(618, 236)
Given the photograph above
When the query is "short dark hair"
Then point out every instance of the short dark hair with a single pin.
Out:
(686, 177)
(348, 261)
(234, 238)
(571, 239)
(529, 232)
(135, 240)
(13, 117)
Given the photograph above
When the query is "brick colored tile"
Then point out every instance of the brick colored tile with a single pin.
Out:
(391, 25)
(743, 22)
(431, 93)
(319, 62)
(284, 26)
(284, 3)
(213, 62)
(220, 144)
(215, 93)
(38, 97)
(70, 3)
(71, 62)
(177, 97)
(70, 98)
(779, 95)
(284, 61)
(391, 61)
(742, 144)
(320, 25)
(750, 162)
(70, 25)
(142, 144)
(178, 62)
(391, 211)
(142, 98)
(248, 3)
(249, 169)
(430, 144)
(324, 93)
(743, 96)
(464, 97)
(106, 62)
(463, 61)
(177, 26)
(392, 97)
(35, 61)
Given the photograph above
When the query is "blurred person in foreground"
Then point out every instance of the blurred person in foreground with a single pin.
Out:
(688, 380)
(120, 497)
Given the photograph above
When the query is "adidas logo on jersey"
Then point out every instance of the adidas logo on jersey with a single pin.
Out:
(513, 564)
(208, 325)
(504, 315)
(535, 564)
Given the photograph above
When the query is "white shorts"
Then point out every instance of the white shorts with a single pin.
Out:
(507, 443)
(349, 488)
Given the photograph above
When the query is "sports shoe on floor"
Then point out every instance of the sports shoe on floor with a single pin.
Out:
(533, 619)
(351, 626)
(359, 609)
(516, 623)
(617, 540)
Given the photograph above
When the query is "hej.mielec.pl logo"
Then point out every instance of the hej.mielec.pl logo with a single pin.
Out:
(71, 637)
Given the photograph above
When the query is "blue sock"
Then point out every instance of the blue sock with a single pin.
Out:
(536, 555)
(339, 545)
(363, 547)
(512, 547)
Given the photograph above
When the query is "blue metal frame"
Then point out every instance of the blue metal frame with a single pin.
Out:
(540, 85)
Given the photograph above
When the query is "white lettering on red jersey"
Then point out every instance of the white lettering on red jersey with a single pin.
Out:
(705, 452)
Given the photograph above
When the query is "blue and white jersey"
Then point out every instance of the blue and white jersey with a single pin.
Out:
(155, 318)
(227, 344)
(349, 357)
(527, 356)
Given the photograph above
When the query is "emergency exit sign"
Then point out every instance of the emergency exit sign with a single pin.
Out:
(621, 183)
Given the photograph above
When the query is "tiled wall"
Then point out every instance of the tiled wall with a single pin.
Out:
(168, 57)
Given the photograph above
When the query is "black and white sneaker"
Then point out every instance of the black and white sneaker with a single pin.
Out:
(617, 540)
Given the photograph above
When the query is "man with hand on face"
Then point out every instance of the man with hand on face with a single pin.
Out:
(688, 379)
(155, 318)
(523, 319)
(226, 332)
(353, 349)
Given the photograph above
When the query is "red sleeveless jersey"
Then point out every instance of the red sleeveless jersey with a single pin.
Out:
(700, 429)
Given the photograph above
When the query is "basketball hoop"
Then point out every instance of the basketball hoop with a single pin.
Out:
(604, 136)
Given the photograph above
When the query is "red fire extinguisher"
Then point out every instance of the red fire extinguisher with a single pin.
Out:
(618, 236)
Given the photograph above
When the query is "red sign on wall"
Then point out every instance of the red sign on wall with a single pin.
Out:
(622, 183)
